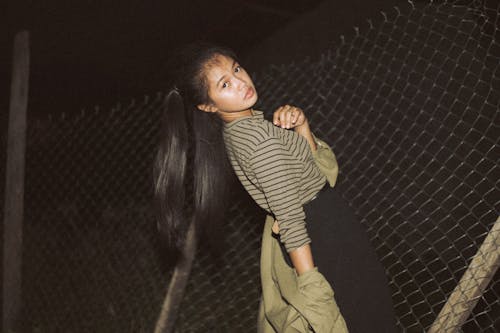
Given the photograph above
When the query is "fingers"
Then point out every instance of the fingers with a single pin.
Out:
(276, 116)
(276, 227)
(287, 116)
(301, 118)
(294, 116)
(280, 115)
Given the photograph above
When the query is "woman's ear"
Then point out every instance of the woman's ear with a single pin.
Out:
(207, 107)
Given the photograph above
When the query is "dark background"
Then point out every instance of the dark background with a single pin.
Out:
(86, 53)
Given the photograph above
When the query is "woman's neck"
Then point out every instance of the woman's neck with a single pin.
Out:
(231, 116)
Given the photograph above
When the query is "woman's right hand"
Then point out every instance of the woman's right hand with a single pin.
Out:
(276, 227)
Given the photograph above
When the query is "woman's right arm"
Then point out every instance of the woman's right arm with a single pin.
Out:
(302, 259)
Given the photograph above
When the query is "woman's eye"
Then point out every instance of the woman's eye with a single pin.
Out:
(237, 69)
(225, 85)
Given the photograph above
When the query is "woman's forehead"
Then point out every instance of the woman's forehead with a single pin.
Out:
(219, 62)
(217, 67)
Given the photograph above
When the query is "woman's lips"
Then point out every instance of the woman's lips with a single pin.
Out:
(249, 93)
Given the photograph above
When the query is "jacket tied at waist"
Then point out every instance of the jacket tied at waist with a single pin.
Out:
(291, 303)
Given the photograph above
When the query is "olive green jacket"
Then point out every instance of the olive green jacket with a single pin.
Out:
(292, 303)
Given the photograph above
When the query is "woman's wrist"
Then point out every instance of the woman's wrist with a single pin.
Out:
(305, 131)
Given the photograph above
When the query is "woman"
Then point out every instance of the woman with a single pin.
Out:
(210, 111)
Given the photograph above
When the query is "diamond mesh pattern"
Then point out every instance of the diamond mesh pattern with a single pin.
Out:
(409, 104)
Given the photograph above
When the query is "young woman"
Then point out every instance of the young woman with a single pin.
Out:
(210, 121)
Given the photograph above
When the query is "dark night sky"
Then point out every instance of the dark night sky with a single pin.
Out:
(86, 53)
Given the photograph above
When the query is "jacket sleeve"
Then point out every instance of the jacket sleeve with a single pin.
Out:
(319, 305)
(326, 161)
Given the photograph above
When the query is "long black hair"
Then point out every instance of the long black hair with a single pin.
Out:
(191, 169)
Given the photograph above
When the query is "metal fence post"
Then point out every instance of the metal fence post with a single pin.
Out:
(14, 185)
(178, 282)
(471, 286)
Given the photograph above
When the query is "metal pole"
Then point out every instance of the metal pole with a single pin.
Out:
(178, 282)
(471, 286)
(14, 185)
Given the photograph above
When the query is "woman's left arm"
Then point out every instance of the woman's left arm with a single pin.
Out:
(293, 117)
(289, 117)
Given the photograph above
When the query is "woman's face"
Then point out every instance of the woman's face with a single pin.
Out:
(230, 89)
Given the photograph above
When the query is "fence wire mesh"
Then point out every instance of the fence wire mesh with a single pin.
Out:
(409, 104)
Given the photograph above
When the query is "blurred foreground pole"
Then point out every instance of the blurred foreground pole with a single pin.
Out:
(471, 286)
(14, 185)
(177, 286)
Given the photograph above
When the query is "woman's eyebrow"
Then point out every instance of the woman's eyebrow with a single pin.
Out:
(223, 76)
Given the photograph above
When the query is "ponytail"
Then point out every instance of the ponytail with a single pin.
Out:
(212, 176)
(170, 172)
(191, 171)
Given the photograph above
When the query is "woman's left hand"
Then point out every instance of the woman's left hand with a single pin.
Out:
(288, 116)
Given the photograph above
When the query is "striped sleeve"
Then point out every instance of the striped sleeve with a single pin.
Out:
(278, 175)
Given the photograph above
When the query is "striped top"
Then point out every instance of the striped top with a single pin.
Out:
(277, 168)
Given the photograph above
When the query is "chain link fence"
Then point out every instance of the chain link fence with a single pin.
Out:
(91, 259)
(409, 104)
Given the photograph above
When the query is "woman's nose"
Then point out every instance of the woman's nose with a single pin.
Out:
(241, 84)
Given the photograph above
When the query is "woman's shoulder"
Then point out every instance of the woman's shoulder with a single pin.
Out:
(255, 129)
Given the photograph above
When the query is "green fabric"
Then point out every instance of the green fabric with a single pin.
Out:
(292, 303)
(326, 161)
